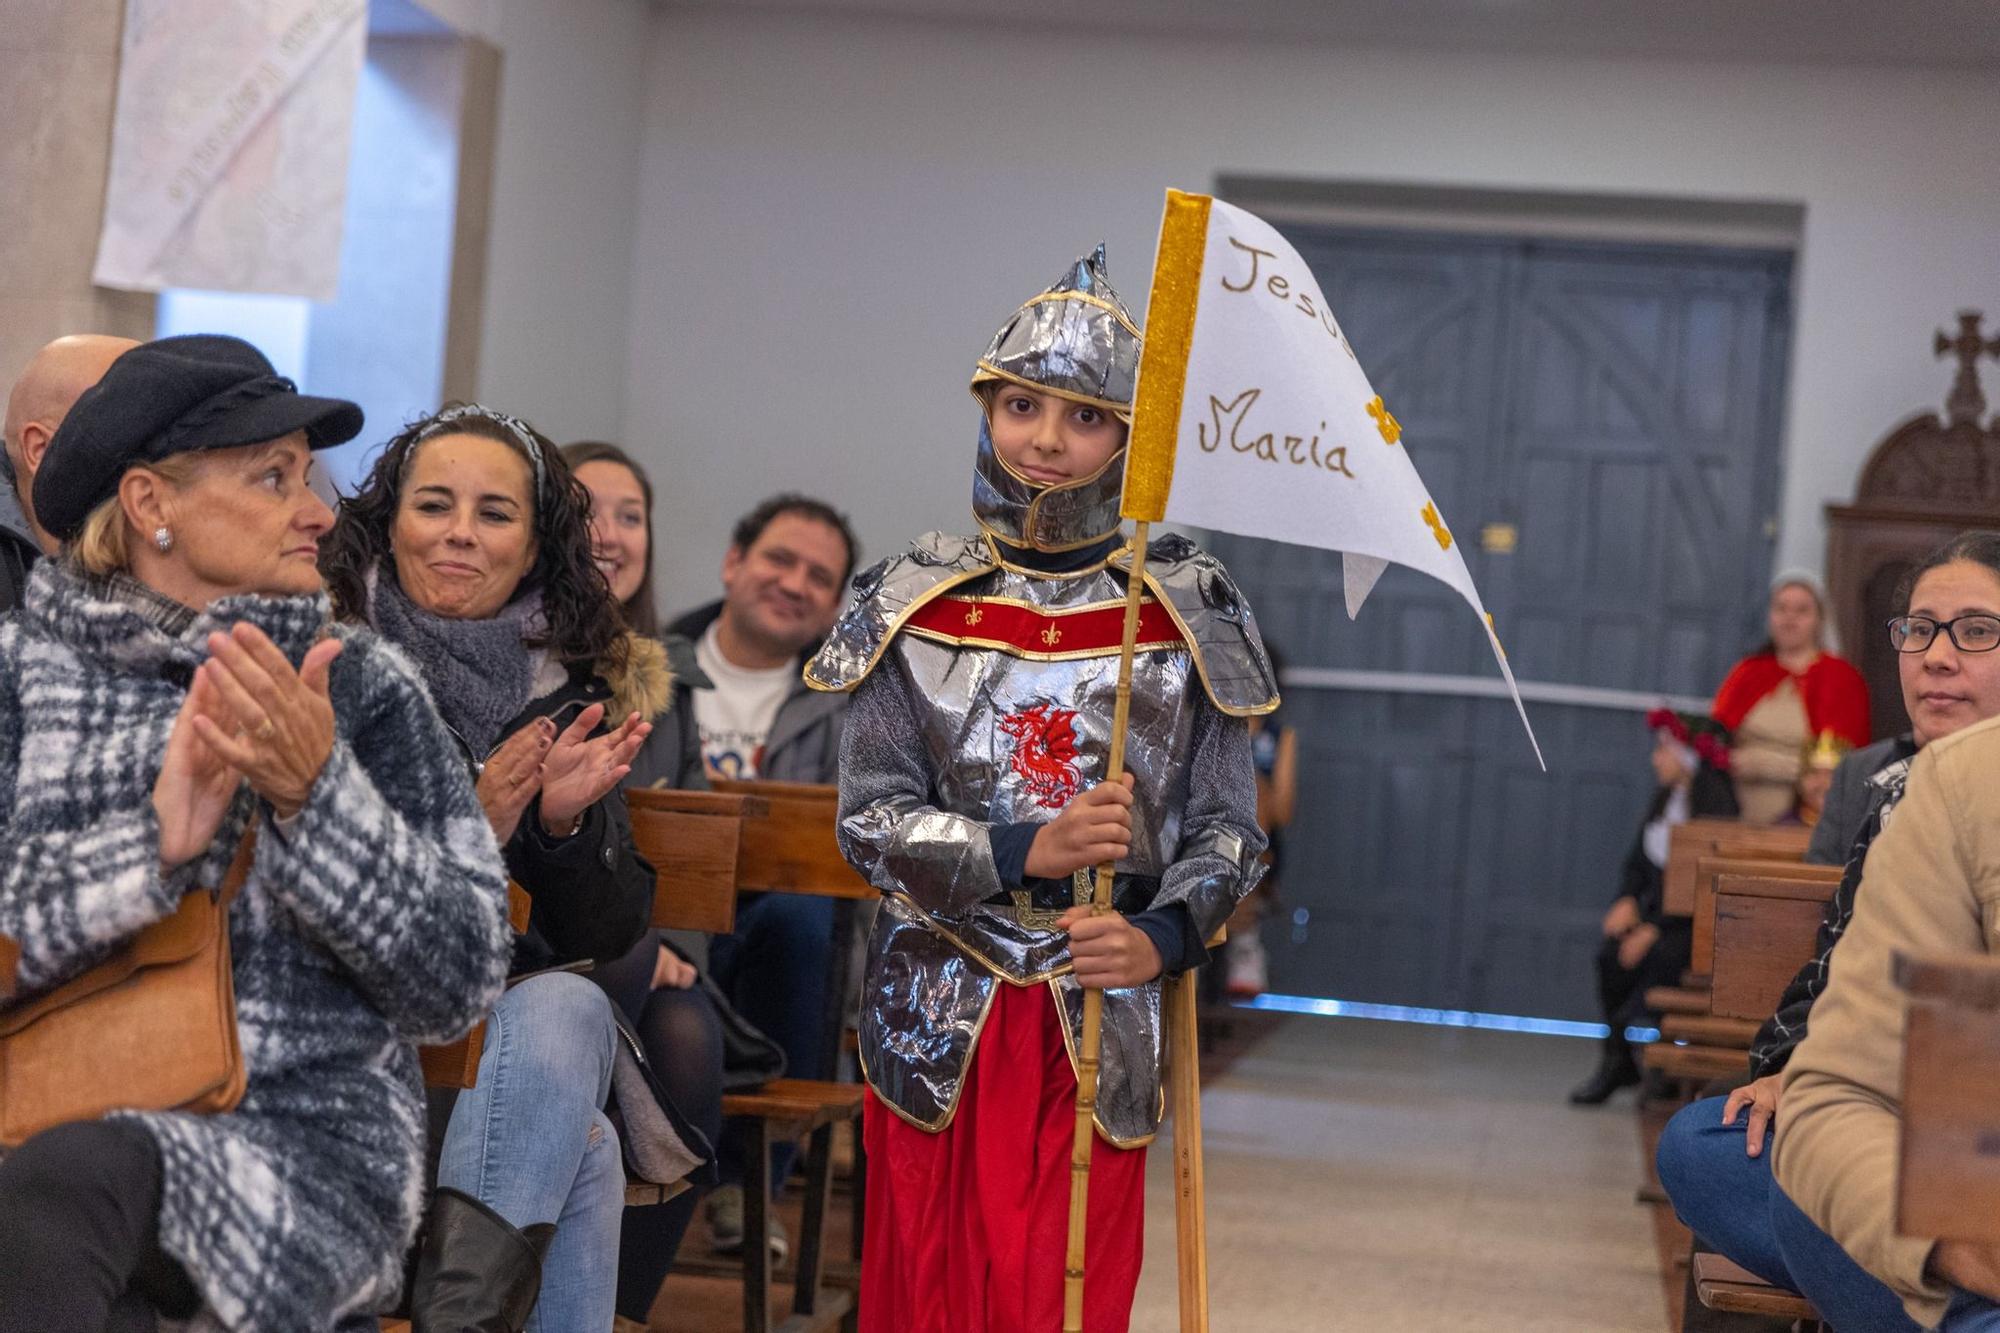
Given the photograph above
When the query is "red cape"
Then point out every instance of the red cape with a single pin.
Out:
(1835, 695)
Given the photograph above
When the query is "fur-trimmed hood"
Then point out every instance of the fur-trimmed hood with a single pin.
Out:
(645, 682)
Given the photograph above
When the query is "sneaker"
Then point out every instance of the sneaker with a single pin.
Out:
(725, 1224)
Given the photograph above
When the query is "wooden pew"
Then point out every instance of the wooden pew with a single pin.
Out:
(1756, 924)
(457, 1065)
(696, 842)
(1688, 843)
(1948, 1179)
(786, 845)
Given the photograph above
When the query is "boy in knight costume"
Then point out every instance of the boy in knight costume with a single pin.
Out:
(984, 671)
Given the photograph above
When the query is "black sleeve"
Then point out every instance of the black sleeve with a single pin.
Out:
(593, 892)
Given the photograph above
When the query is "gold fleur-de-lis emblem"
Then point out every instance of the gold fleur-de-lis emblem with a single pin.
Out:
(1437, 527)
(1392, 429)
(974, 615)
(1052, 636)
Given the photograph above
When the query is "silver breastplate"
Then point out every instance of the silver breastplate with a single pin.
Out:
(1020, 674)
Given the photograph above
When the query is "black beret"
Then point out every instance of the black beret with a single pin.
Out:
(195, 391)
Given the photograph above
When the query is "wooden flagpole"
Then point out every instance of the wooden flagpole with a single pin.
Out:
(1149, 469)
(1093, 998)
(1184, 1095)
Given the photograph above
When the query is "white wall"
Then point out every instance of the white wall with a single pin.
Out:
(572, 89)
(834, 214)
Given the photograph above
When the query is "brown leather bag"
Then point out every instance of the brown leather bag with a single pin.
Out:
(151, 1028)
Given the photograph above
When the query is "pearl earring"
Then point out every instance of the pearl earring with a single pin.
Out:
(163, 538)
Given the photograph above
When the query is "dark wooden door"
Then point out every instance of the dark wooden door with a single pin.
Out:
(1600, 425)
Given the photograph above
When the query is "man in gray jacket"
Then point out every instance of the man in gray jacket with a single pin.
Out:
(54, 379)
(745, 712)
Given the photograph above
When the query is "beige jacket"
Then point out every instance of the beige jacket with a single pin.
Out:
(1931, 882)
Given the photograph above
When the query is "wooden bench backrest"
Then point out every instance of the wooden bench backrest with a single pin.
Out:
(1689, 842)
(695, 841)
(1948, 1183)
(793, 849)
(1755, 926)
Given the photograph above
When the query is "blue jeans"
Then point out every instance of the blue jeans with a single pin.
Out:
(1970, 1314)
(774, 969)
(532, 1142)
(1731, 1203)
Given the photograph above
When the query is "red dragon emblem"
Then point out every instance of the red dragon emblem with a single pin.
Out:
(1045, 757)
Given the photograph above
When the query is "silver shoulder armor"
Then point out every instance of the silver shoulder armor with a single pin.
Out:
(1216, 618)
(887, 594)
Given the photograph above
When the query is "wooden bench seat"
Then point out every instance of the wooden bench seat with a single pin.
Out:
(1677, 1000)
(1694, 1064)
(1726, 1287)
(1709, 1030)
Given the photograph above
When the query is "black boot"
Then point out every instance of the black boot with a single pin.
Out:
(475, 1272)
(1617, 1069)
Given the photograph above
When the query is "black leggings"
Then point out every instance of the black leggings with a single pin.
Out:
(682, 1035)
(79, 1234)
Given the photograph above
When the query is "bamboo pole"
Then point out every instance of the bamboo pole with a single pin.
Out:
(1184, 1093)
(1093, 998)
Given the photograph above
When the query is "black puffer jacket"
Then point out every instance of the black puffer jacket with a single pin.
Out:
(592, 891)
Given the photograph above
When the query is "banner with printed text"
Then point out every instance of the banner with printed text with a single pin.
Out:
(230, 144)
(1254, 416)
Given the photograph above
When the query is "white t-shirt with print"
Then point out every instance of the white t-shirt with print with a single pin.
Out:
(735, 717)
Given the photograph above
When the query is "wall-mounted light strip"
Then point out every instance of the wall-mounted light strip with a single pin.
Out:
(1441, 1018)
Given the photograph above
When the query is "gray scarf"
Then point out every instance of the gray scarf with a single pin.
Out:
(480, 672)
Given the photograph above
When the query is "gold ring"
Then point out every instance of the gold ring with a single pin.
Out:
(268, 730)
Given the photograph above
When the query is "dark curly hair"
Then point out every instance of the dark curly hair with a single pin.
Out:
(582, 622)
(642, 612)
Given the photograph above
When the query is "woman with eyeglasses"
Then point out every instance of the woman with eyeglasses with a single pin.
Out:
(1785, 695)
(1713, 1156)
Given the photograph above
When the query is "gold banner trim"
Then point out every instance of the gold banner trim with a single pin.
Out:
(1156, 406)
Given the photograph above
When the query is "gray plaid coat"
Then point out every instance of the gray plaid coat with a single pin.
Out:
(376, 920)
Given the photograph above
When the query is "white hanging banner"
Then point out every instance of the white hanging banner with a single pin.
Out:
(230, 145)
(1253, 415)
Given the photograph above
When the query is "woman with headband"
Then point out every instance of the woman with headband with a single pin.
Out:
(468, 547)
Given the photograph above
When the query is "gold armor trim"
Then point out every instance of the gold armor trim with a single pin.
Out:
(1194, 651)
(917, 604)
(993, 544)
(943, 1122)
(1069, 1048)
(1044, 492)
(973, 617)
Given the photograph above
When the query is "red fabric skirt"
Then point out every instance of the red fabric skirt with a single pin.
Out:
(967, 1229)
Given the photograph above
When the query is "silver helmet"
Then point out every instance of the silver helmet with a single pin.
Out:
(1076, 341)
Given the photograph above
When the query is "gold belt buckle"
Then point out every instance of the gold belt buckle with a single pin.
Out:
(1082, 883)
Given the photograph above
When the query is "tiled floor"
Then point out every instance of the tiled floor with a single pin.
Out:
(1383, 1177)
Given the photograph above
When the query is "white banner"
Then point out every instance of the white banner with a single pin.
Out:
(1282, 436)
(229, 150)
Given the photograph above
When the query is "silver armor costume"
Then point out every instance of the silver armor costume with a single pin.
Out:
(984, 698)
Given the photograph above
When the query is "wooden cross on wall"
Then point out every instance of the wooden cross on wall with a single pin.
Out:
(1967, 403)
